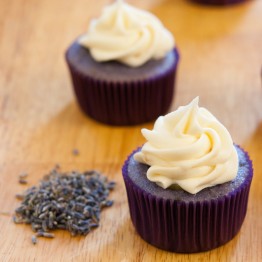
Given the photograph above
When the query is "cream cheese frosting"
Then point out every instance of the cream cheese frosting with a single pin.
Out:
(190, 148)
(128, 35)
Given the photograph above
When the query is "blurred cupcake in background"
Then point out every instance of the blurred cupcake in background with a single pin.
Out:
(123, 69)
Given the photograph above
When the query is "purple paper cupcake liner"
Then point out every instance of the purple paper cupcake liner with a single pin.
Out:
(124, 103)
(219, 2)
(186, 227)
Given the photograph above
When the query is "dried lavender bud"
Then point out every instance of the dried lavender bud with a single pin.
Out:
(111, 185)
(19, 196)
(22, 181)
(71, 201)
(75, 152)
(34, 239)
(107, 203)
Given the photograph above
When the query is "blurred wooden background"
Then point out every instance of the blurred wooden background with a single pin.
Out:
(40, 122)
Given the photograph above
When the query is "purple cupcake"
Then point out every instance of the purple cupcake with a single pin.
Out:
(188, 186)
(123, 69)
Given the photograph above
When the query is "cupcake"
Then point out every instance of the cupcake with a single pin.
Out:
(188, 186)
(123, 69)
(218, 2)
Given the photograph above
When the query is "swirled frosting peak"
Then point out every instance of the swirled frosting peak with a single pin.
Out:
(190, 148)
(128, 35)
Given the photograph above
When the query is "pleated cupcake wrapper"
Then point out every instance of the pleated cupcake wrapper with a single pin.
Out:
(124, 103)
(186, 227)
(219, 2)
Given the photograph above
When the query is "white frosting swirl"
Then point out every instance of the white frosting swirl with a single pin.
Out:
(189, 147)
(128, 35)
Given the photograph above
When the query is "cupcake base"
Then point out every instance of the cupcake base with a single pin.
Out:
(116, 94)
(177, 221)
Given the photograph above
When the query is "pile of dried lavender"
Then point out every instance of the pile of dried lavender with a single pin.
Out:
(70, 201)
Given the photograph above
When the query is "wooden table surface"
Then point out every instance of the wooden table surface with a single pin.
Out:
(40, 122)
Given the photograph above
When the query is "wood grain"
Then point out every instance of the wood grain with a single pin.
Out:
(40, 122)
